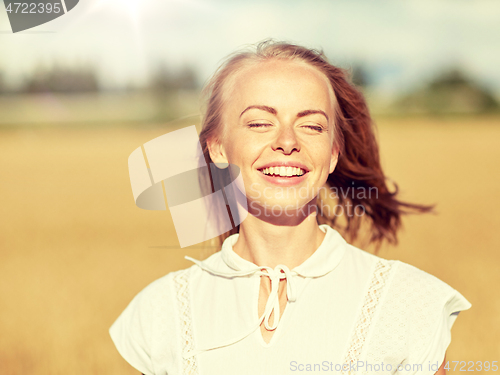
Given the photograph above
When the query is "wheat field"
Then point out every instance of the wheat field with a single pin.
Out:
(74, 248)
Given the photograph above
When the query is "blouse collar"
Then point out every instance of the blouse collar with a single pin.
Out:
(324, 260)
(326, 257)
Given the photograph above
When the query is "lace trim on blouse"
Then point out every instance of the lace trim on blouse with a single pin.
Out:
(181, 283)
(371, 302)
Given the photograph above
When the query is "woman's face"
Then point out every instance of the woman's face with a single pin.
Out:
(278, 128)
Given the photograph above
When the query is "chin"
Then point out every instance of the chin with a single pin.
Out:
(281, 208)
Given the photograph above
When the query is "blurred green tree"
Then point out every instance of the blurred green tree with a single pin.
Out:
(2, 84)
(169, 87)
(450, 92)
(61, 79)
(359, 75)
(164, 79)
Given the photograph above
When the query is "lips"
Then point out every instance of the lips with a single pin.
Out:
(284, 173)
(284, 169)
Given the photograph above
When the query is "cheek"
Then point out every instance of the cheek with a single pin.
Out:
(237, 154)
(321, 153)
(246, 149)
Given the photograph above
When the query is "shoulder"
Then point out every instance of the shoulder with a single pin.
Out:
(161, 294)
(414, 316)
(414, 285)
(418, 295)
(404, 282)
(404, 290)
(142, 332)
(362, 262)
(420, 310)
(158, 291)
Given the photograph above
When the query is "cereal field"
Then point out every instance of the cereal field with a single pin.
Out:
(74, 248)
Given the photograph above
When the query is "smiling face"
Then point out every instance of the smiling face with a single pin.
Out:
(278, 128)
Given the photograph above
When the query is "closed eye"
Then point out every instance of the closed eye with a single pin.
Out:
(258, 125)
(315, 127)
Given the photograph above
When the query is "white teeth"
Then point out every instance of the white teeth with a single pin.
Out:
(283, 171)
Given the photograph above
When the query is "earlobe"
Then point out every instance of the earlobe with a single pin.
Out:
(217, 152)
(334, 160)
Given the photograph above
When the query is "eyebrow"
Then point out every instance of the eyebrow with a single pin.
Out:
(273, 111)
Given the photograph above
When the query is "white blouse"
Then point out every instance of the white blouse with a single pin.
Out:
(348, 311)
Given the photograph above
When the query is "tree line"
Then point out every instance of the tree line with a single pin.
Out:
(450, 91)
(85, 79)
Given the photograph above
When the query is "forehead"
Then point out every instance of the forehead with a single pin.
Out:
(280, 82)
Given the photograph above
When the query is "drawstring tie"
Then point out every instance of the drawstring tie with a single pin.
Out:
(280, 272)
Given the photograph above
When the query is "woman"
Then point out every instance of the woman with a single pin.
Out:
(287, 293)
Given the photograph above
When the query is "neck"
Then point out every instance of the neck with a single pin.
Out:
(268, 244)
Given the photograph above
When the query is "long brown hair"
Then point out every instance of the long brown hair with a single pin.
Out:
(358, 172)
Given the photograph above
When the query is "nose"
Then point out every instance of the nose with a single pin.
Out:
(286, 141)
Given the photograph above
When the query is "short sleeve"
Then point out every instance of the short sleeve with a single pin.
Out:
(131, 332)
(436, 308)
(432, 355)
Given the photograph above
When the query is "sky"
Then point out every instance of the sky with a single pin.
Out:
(402, 43)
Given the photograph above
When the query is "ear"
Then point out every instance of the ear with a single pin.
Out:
(334, 158)
(217, 151)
